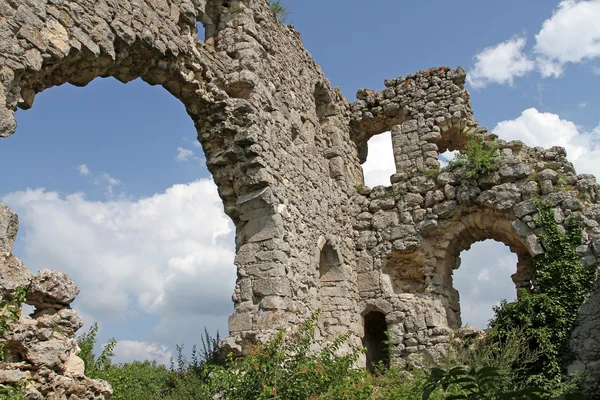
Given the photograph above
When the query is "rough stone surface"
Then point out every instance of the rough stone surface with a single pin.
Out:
(284, 149)
(8, 229)
(51, 289)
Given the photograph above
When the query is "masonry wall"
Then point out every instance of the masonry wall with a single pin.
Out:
(284, 149)
(409, 235)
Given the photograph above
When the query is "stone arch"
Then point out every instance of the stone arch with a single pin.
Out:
(477, 226)
(156, 41)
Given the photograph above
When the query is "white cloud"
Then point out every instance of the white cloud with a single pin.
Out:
(483, 279)
(500, 64)
(596, 70)
(535, 128)
(104, 179)
(380, 164)
(582, 104)
(131, 350)
(167, 254)
(572, 34)
(83, 170)
(110, 182)
(184, 155)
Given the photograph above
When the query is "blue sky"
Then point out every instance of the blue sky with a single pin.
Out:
(119, 166)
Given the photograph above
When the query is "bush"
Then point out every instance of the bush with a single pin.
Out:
(464, 383)
(285, 369)
(478, 157)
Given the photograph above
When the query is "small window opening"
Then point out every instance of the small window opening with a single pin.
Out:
(447, 156)
(375, 340)
(379, 164)
(201, 31)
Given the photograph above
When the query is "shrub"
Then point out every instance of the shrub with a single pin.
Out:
(478, 157)
(284, 368)
(464, 383)
(547, 314)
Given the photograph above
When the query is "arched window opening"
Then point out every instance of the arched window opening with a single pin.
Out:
(379, 164)
(329, 264)
(375, 340)
(483, 280)
(121, 201)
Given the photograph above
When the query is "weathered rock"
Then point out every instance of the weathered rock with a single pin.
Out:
(51, 289)
(8, 228)
(12, 275)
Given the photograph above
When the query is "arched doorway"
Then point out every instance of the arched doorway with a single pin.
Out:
(375, 340)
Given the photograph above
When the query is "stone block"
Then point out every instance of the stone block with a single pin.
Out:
(368, 281)
(271, 286)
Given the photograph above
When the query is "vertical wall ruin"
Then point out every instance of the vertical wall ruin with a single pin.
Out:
(284, 149)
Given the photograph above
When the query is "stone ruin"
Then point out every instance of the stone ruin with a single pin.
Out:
(285, 149)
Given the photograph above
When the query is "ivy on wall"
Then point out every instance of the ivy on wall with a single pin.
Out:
(547, 313)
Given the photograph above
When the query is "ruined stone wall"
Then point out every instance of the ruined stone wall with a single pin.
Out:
(284, 149)
(274, 132)
(409, 235)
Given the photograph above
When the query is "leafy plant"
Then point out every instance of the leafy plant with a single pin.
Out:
(15, 391)
(87, 342)
(284, 368)
(464, 383)
(478, 157)
(282, 12)
(10, 311)
(482, 352)
(432, 172)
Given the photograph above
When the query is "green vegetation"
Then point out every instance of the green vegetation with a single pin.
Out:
(10, 311)
(523, 355)
(547, 313)
(463, 383)
(282, 12)
(284, 368)
(479, 157)
(432, 172)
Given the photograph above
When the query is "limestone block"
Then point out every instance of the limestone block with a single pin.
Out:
(271, 286)
(74, 366)
(368, 282)
(240, 322)
(51, 354)
(51, 289)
